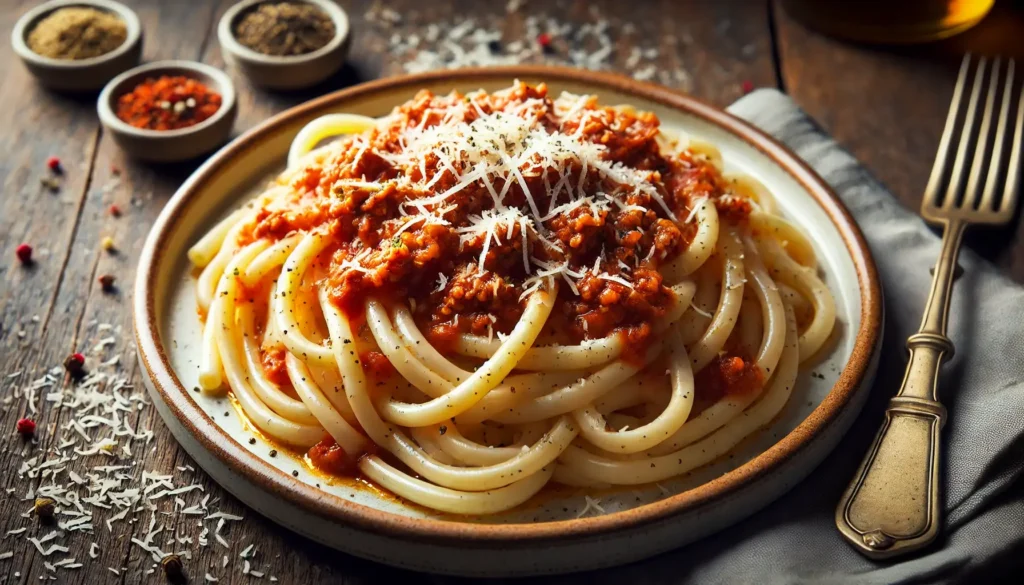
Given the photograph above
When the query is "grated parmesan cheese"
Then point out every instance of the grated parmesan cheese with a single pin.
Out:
(591, 504)
(106, 485)
(701, 312)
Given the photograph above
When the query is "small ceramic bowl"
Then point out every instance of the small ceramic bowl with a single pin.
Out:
(290, 72)
(84, 74)
(169, 145)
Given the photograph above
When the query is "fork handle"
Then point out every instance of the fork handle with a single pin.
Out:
(892, 504)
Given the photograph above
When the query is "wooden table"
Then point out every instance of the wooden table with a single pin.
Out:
(885, 105)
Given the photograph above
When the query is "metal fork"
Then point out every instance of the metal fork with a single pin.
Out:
(892, 505)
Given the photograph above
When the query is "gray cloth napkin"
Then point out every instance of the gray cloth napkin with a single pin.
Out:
(795, 540)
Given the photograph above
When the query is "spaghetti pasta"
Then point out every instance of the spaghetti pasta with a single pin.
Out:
(477, 295)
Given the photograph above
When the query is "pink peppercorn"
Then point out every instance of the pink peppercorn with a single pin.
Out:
(26, 427)
(24, 253)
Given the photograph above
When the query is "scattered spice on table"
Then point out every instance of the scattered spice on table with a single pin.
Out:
(24, 253)
(421, 41)
(53, 163)
(285, 28)
(107, 243)
(168, 103)
(115, 210)
(165, 493)
(77, 33)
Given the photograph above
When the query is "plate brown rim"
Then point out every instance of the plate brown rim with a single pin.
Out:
(269, 479)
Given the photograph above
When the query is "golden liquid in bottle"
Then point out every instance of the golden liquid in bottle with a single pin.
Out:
(889, 21)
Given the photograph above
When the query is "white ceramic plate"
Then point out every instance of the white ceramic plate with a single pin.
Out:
(546, 536)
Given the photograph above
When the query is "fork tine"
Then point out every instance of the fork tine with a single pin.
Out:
(931, 192)
(999, 148)
(1013, 172)
(956, 179)
(981, 149)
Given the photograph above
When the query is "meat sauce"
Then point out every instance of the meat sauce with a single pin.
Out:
(360, 198)
(727, 375)
(362, 194)
(330, 458)
(274, 366)
(377, 365)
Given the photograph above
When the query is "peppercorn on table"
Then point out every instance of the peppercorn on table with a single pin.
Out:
(75, 210)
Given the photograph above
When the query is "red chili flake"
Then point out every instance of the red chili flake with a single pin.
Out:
(24, 253)
(168, 103)
(107, 282)
(544, 39)
(115, 170)
(26, 427)
(53, 163)
(115, 211)
(75, 364)
(747, 86)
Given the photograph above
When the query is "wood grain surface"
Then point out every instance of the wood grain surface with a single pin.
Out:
(885, 105)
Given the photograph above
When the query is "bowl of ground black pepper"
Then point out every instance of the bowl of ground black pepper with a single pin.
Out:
(78, 45)
(168, 110)
(285, 44)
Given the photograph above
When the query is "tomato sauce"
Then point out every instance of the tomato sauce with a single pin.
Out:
(274, 366)
(377, 365)
(330, 458)
(727, 375)
(459, 281)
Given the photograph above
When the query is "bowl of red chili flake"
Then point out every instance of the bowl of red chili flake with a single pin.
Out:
(169, 110)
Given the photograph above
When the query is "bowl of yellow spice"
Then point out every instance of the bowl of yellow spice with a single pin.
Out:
(285, 44)
(78, 45)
